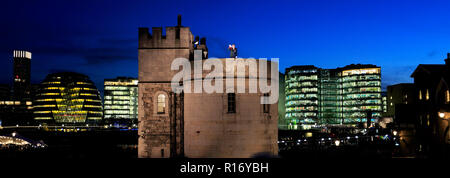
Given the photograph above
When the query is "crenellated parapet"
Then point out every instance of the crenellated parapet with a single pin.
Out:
(175, 37)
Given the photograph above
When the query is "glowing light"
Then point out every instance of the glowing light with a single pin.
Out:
(441, 115)
(337, 142)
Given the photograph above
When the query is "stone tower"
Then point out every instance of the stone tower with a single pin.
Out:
(198, 125)
(160, 109)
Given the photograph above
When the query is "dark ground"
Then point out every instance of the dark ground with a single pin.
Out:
(88, 144)
(108, 143)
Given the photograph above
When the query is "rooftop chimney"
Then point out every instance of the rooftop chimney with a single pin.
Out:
(179, 20)
(447, 61)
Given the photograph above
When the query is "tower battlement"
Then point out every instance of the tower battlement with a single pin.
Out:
(175, 37)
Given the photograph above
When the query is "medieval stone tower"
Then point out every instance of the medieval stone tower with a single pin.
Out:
(160, 109)
(197, 125)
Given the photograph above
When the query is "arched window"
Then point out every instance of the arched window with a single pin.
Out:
(161, 104)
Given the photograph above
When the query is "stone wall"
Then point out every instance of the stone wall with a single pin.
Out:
(160, 134)
(212, 132)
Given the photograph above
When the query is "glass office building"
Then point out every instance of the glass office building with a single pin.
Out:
(121, 101)
(67, 98)
(330, 97)
(301, 89)
(317, 97)
(361, 92)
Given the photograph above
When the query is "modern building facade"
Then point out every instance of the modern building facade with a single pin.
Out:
(330, 97)
(22, 73)
(16, 104)
(121, 101)
(318, 97)
(12, 111)
(361, 93)
(67, 98)
(282, 124)
(302, 96)
(211, 125)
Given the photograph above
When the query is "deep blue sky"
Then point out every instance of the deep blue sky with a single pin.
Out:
(99, 37)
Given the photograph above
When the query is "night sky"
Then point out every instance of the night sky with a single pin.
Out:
(99, 38)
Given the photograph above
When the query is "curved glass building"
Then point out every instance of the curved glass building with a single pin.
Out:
(67, 98)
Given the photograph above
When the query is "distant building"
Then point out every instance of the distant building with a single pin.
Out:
(361, 91)
(282, 122)
(384, 101)
(319, 97)
(22, 74)
(403, 93)
(5, 96)
(302, 96)
(422, 110)
(121, 101)
(16, 104)
(5, 92)
(67, 98)
(401, 101)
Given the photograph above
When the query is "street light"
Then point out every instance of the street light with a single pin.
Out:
(394, 132)
(337, 142)
(441, 115)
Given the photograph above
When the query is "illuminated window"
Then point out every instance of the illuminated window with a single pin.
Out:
(427, 96)
(420, 94)
(447, 96)
(231, 103)
(161, 104)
